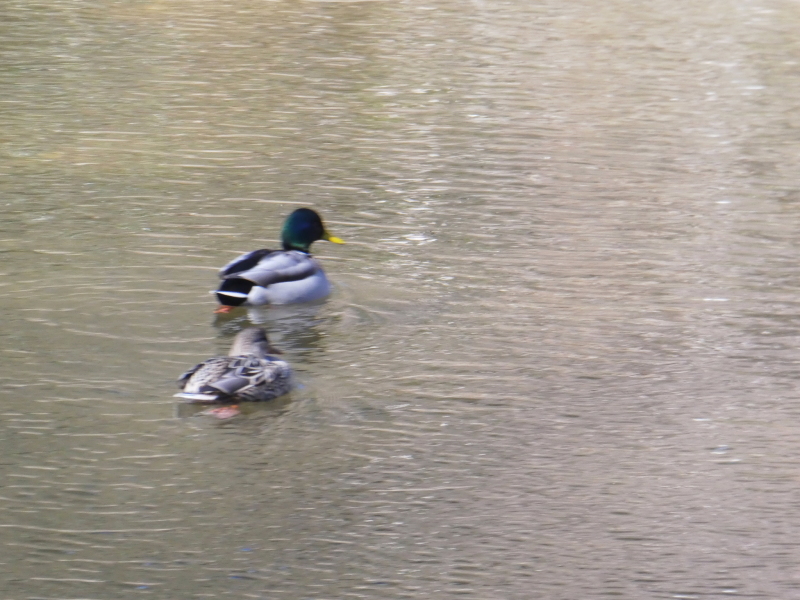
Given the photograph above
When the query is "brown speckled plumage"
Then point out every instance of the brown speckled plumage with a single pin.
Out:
(248, 373)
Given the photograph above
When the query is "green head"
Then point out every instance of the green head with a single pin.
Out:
(302, 228)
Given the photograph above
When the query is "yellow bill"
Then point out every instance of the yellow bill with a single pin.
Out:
(330, 238)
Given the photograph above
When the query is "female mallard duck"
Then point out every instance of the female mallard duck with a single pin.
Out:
(278, 276)
(247, 373)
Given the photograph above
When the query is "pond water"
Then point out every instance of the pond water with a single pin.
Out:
(560, 360)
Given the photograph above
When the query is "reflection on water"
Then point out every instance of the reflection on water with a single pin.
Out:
(298, 328)
(560, 357)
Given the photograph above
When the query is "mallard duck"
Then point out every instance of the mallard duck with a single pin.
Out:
(248, 373)
(278, 276)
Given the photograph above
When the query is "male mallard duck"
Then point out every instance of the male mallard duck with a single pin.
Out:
(279, 276)
(247, 373)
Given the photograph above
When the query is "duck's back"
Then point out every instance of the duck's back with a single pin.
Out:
(313, 287)
(237, 378)
(272, 277)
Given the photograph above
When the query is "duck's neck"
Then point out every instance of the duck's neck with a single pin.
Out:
(289, 246)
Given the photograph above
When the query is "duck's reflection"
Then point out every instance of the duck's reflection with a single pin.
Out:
(296, 329)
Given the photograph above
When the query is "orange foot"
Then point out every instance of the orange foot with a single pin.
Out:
(223, 310)
(223, 412)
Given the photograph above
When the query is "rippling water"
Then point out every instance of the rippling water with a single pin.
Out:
(560, 360)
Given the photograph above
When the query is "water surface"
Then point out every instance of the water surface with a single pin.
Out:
(560, 359)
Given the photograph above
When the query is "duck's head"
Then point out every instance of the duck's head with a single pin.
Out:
(302, 228)
(252, 340)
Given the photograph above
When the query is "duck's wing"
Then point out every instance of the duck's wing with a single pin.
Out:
(244, 262)
(274, 267)
(183, 379)
(194, 382)
(247, 372)
(220, 376)
(236, 378)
